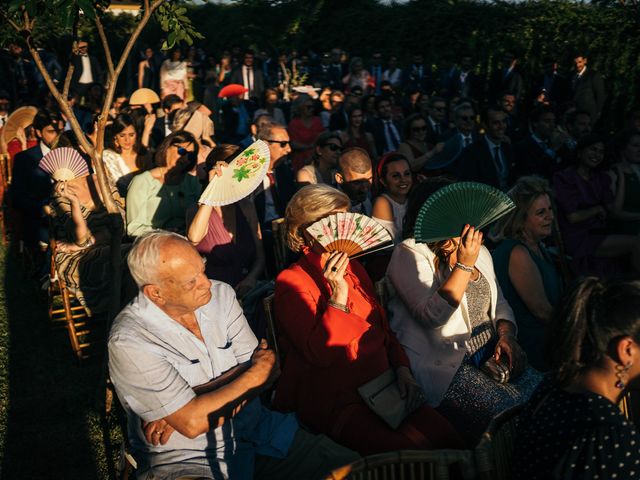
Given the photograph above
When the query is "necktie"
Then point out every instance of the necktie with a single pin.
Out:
(467, 141)
(392, 141)
(274, 190)
(436, 128)
(498, 161)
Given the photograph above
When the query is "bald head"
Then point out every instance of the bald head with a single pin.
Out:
(354, 160)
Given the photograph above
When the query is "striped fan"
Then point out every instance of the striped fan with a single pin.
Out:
(64, 164)
(352, 233)
(445, 213)
(241, 177)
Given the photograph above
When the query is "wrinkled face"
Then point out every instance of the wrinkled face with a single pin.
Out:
(438, 111)
(496, 125)
(592, 156)
(508, 103)
(631, 152)
(356, 185)
(539, 220)
(183, 283)
(465, 121)
(398, 179)
(418, 130)
(580, 127)
(384, 109)
(126, 139)
(545, 125)
(279, 146)
(580, 63)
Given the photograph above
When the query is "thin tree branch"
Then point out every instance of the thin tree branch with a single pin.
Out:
(105, 46)
(67, 81)
(13, 24)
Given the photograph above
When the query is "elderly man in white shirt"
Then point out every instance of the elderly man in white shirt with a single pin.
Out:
(165, 347)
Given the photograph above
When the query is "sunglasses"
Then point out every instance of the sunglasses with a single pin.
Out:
(282, 143)
(191, 155)
(333, 147)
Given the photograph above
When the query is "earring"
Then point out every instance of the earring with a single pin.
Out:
(621, 374)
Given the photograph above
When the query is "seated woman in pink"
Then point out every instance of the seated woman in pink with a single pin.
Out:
(228, 237)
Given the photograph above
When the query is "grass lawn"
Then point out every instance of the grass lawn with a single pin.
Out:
(50, 421)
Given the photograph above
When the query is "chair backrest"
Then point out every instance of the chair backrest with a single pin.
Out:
(280, 248)
(409, 465)
(272, 332)
(494, 451)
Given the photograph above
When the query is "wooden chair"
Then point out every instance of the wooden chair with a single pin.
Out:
(65, 309)
(409, 465)
(280, 249)
(493, 453)
(272, 332)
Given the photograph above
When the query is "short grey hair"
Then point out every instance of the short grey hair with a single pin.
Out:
(144, 256)
(267, 129)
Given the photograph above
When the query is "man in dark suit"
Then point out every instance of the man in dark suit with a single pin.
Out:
(456, 140)
(250, 77)
(385, 130)
(537, 153)
(86, 70)
(506, 78)
(588, 89)
(31, 186)
(490, 159)
(551, 87)
(278, 187)
(463, 82)
(515, 129)
(418, 77)
(436, 120)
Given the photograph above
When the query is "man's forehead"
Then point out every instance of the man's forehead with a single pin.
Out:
(279, 134)
(350, 175)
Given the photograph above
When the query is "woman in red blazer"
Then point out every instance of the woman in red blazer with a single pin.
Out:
(335, 337)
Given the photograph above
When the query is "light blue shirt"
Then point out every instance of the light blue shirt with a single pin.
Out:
(154, 362)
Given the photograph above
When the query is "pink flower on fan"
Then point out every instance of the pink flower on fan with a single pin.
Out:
(241, 161)
(347, 227)
(366, 231)
(327, 231)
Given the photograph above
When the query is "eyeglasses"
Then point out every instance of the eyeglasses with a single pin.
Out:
(332, 146)
(419, 129)
(282, 143)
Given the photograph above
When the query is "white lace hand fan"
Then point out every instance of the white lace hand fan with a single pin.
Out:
(352, 233)
(64, 164)
(241, 177)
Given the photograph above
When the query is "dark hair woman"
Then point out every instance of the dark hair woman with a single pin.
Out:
(327, 149)
(572, 427)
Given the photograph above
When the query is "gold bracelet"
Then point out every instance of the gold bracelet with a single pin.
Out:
(339, 306)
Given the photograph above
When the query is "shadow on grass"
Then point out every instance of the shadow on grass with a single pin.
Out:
(50, 425)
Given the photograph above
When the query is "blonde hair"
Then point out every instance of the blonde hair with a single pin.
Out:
(309, 204)
(525, 191)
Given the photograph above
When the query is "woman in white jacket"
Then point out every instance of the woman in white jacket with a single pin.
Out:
(449, 314)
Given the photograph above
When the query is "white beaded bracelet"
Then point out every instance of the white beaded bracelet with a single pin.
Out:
(463, 267)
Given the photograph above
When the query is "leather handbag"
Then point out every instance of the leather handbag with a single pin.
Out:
(382, 395)
(497, 370)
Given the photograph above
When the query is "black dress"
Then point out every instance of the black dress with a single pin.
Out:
(571, 436)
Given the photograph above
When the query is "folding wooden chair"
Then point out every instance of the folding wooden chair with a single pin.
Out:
(409, 465)
(272, 332)
(280, 249)
(65, 309)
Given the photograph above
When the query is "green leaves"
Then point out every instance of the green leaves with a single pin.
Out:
(173, 20)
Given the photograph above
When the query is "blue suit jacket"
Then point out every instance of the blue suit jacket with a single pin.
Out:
(30, 186)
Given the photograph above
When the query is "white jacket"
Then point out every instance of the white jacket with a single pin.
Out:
(433, 332)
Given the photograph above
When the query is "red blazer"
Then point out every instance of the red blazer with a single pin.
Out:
(329, 353)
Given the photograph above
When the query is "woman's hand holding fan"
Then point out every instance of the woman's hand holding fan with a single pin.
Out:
(334, 270)
(469, 246)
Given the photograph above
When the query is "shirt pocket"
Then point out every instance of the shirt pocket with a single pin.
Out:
(193, 373)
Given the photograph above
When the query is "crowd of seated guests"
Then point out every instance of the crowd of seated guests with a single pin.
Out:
(380, 148)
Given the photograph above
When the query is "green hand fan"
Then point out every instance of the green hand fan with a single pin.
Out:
(446, 212)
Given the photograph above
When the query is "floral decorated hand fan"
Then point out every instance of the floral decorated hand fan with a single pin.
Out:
(241, 177)
(64, 164)
(445, 213)
(352, 233)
